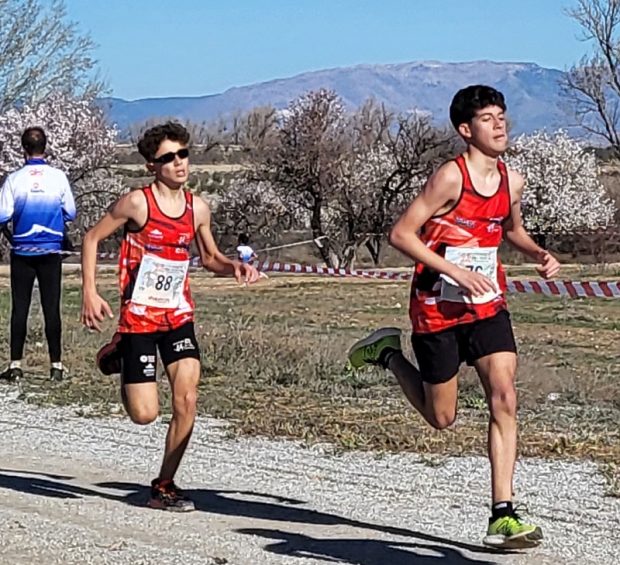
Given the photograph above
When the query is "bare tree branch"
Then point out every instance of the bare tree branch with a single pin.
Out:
(592, 87)
(42, 53)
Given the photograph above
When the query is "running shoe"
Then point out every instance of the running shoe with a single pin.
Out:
(165, 495)
(109, 357)
(510, 532)
(370, 351)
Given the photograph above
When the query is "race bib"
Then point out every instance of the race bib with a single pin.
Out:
(160, 282)
(481, 260)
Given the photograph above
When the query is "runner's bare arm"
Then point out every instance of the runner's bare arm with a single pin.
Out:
(131, 207)
(211, 257)
(440, 192)
(516, 235)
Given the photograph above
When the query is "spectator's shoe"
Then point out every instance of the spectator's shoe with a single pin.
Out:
(165, 495)
(57, 374)
(509, 532)
(372, 350)
(12, 374)
(109, 357)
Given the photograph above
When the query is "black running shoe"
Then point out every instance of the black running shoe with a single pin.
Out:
(57, 374)
(109, 357)
(12, 375)
(166, 496)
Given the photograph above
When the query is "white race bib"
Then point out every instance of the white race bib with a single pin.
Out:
(481, 260)
(160, 282)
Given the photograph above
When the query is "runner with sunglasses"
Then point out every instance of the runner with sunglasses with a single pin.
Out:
(157, 311)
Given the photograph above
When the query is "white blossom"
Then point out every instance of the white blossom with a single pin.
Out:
(563, 193)
(80, 143)
(256, 206)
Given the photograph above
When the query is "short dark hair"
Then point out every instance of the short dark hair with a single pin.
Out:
(153, 137)
(34, 141)
(468, 101)
(243, 239)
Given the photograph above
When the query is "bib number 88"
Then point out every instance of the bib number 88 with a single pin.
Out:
(163, 283)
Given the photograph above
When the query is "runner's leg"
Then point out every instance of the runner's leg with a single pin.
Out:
(138, 377)
(141, 402)
(493, 352)
(433, 388)
(436, 402)
(497, 373)
(181, 356)
(184, 376)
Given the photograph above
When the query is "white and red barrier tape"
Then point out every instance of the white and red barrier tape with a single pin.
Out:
(599, 289)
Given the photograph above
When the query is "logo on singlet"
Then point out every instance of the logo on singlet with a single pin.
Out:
(464, 222)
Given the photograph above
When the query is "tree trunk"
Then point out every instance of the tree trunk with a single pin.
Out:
(317, 232)
(375, 248)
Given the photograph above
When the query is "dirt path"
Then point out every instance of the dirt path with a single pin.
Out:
(72, 491)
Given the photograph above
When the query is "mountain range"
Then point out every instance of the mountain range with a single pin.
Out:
(533, 93)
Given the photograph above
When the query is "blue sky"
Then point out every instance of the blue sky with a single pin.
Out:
(150, 48)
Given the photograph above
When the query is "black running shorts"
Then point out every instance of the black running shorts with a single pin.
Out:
(440, 354)
(139, 352)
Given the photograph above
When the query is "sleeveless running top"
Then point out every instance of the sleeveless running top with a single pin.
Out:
(475, 221)
(153, 271)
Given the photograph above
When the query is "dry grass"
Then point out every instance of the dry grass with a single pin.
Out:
(275, 364)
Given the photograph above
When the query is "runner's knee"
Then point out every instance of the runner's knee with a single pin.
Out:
(184, 403)
(503, 402)
(143, 415)
(442, 420)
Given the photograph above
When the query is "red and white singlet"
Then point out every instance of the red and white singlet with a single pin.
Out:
(469, 235)
(153, 271)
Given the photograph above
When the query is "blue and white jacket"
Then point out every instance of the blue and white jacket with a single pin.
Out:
(39, 200)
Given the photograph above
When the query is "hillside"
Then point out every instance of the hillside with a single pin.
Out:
(533, 92)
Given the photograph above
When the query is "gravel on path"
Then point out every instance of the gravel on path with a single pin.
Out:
(73, 489)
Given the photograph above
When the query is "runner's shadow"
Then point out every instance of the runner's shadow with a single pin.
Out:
(51, 486)
(360, 551)
(223, 502)
(219, 502)
(40, 474)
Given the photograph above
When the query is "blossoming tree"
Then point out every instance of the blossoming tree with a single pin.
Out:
(80, 142)
(563, 193)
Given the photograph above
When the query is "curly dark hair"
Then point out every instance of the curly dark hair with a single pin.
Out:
(468, 101)
(151, 140)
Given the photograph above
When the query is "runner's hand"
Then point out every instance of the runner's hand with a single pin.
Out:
(94, 310)
(549, 266)
(246, 273)
(475, 283)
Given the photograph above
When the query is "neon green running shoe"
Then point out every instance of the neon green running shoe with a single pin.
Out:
(368, 351)
(509, 532)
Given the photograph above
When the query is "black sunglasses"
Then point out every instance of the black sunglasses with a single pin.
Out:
(169, 157)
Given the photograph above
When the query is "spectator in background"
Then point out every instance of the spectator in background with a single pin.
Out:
(38, 199)
(245, 253)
